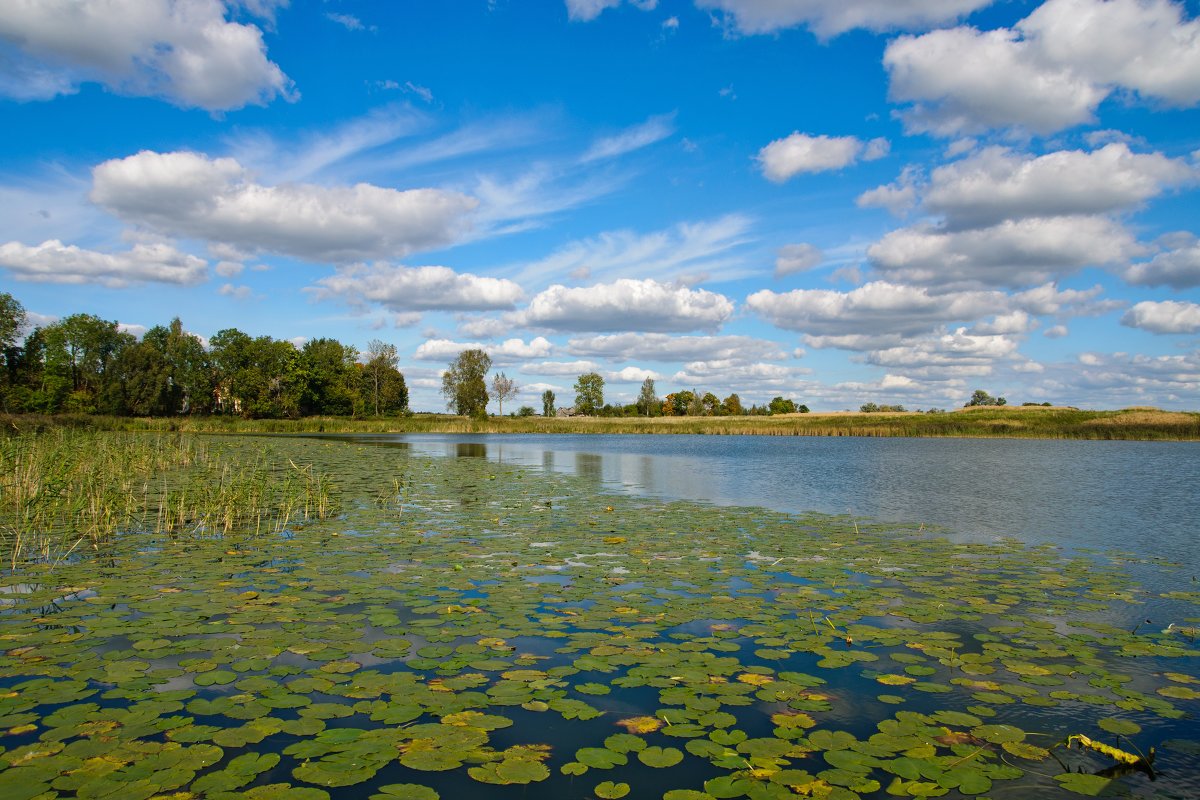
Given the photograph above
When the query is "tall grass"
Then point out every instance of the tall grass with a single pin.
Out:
(66, 489)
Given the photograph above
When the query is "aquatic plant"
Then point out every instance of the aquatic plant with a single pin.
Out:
(463, 626)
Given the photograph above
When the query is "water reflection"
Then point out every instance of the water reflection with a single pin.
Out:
(1131, 496)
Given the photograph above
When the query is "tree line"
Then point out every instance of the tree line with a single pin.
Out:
(84, 364)
(465, 387)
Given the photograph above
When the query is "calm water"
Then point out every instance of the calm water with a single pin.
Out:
(1142, 497)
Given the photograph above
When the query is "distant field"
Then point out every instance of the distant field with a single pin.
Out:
(992, 422)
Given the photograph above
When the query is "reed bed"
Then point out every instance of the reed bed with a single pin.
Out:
(1033, 422)
(65, 489)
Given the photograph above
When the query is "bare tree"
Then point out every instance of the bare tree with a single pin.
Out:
(380, 359)
(503, 387)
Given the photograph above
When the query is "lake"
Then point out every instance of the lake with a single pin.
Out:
(1134, 496)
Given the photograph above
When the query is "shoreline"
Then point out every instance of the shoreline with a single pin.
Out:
(1136, 424)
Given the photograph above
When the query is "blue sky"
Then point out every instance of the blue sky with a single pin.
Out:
(895, 202)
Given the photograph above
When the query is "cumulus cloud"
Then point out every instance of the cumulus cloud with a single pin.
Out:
(430, 288)
(1178, 268)
(664, 348)
(54, 262)
(652, 130)
(1014, 322)
(997, 184)
(828, 18)
(898, 197)
(869, 316)
(1056, 332)
(1011, 253)
(507, 352)
(1051, 71)
(588, 10)
(184, 51)
(627, 304)
(793, 258)
(631, 375)
(955, 354)
(800, 153)
(692, 247)
(736, 375)
(1167, 316)
(189, 194)
(560, 367)
(879, 314)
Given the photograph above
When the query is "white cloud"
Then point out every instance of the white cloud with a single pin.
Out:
(738, 375)
(1011, 253)
(627, 304)
(879, 314)
(560, 368)
(1051, 71)
(507, 352)
(1056, 332)
(1178, 268)
(871, 315)
(800, 152)
(236, 292)
(830, 17)
(998, 184)
(898, 197)
(664, 348)
(588, 10)
(54, 262)
(793, 258)
(1167, 316)
(229, 269)
(347, 21)
(429, 288)
(691, 247)
(949, 355)
(1014, 322)
(632, 375)
(652, 130)
(189, 194)
(184, 51)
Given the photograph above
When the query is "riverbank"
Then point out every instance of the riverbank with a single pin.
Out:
(1032, 422)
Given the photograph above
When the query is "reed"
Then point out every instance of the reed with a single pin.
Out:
(65, 489)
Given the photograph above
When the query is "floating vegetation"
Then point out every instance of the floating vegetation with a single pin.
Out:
(459, 628)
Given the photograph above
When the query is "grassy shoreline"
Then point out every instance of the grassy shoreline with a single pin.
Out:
(1138, 424)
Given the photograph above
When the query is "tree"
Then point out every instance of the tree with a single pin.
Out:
(695, 407)
(503, 387)
(329, 378)
(12, 319)
(548, 403)
(525, 411)
(647, 400)
(381, 359)
(982, 398)
(780, 405)
(711, 404)
(732, 406)
(189, 374)
(589, 393)
(464, 384)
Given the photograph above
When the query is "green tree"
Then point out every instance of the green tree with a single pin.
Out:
(190, 376)
(732, 406)
(382, 358)
(257, 377)
(647, 401)
(503, 388)
(589, 393)
(12, 320)
(780, 405)
(464, 383)
(982, 398)
(80, 349)
(328, 378)
(711, 404)
(548, 403)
